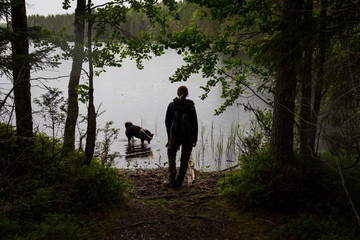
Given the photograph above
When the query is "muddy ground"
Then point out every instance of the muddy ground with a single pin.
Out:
(195, 211)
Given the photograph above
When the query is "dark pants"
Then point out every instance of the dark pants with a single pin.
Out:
(173, 147)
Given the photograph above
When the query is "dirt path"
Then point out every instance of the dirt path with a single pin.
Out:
(192, 212)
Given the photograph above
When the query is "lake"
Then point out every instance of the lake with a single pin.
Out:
(142, 97)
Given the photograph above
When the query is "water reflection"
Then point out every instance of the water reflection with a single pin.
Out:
(137, 150)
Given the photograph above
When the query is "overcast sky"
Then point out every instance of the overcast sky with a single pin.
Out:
(46, 7)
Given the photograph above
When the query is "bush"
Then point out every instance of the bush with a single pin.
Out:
(8, 226)
(350, 169)
(7, 145)
(44, 195)
(61, 226)
(308, 227)
(94, 186)
(309, 190)
(263, 182)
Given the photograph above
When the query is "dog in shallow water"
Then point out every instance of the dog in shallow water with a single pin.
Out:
(138, 132)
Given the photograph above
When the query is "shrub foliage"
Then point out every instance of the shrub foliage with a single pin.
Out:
(45, 196)
(306, 192)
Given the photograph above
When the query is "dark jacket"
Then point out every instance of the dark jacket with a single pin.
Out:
(181, 121)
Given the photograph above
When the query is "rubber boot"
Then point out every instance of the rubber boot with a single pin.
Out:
(171, 182)
(184, 163)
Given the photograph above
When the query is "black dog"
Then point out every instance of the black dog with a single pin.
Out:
(136, 131)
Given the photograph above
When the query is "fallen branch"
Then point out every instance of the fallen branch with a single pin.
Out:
(156, 197)
(187, 195)
(131, 225)
(198, 217)
(190, 205)
(268, 221)
(207, 196)
(197, 193)
(230, 168)
(206, 188)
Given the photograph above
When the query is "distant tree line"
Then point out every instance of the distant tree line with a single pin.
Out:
(137, 22)
(57, 23)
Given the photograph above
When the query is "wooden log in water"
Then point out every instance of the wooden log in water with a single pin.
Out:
(138, 154)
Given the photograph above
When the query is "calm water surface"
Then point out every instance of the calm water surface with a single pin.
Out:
(142, 96)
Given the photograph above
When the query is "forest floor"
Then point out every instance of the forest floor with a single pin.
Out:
(194, 211)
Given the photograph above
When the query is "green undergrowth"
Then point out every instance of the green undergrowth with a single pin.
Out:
(306, 193)
(46, 196)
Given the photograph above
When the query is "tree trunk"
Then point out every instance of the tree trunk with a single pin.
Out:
(91, 127)
(73, 105)
(21, 70)
(282, 135)
(318, 84)
(306, 83)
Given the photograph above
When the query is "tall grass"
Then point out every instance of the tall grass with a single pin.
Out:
(232, 140)
(219, 147)
(203, 144)
(212, 135)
